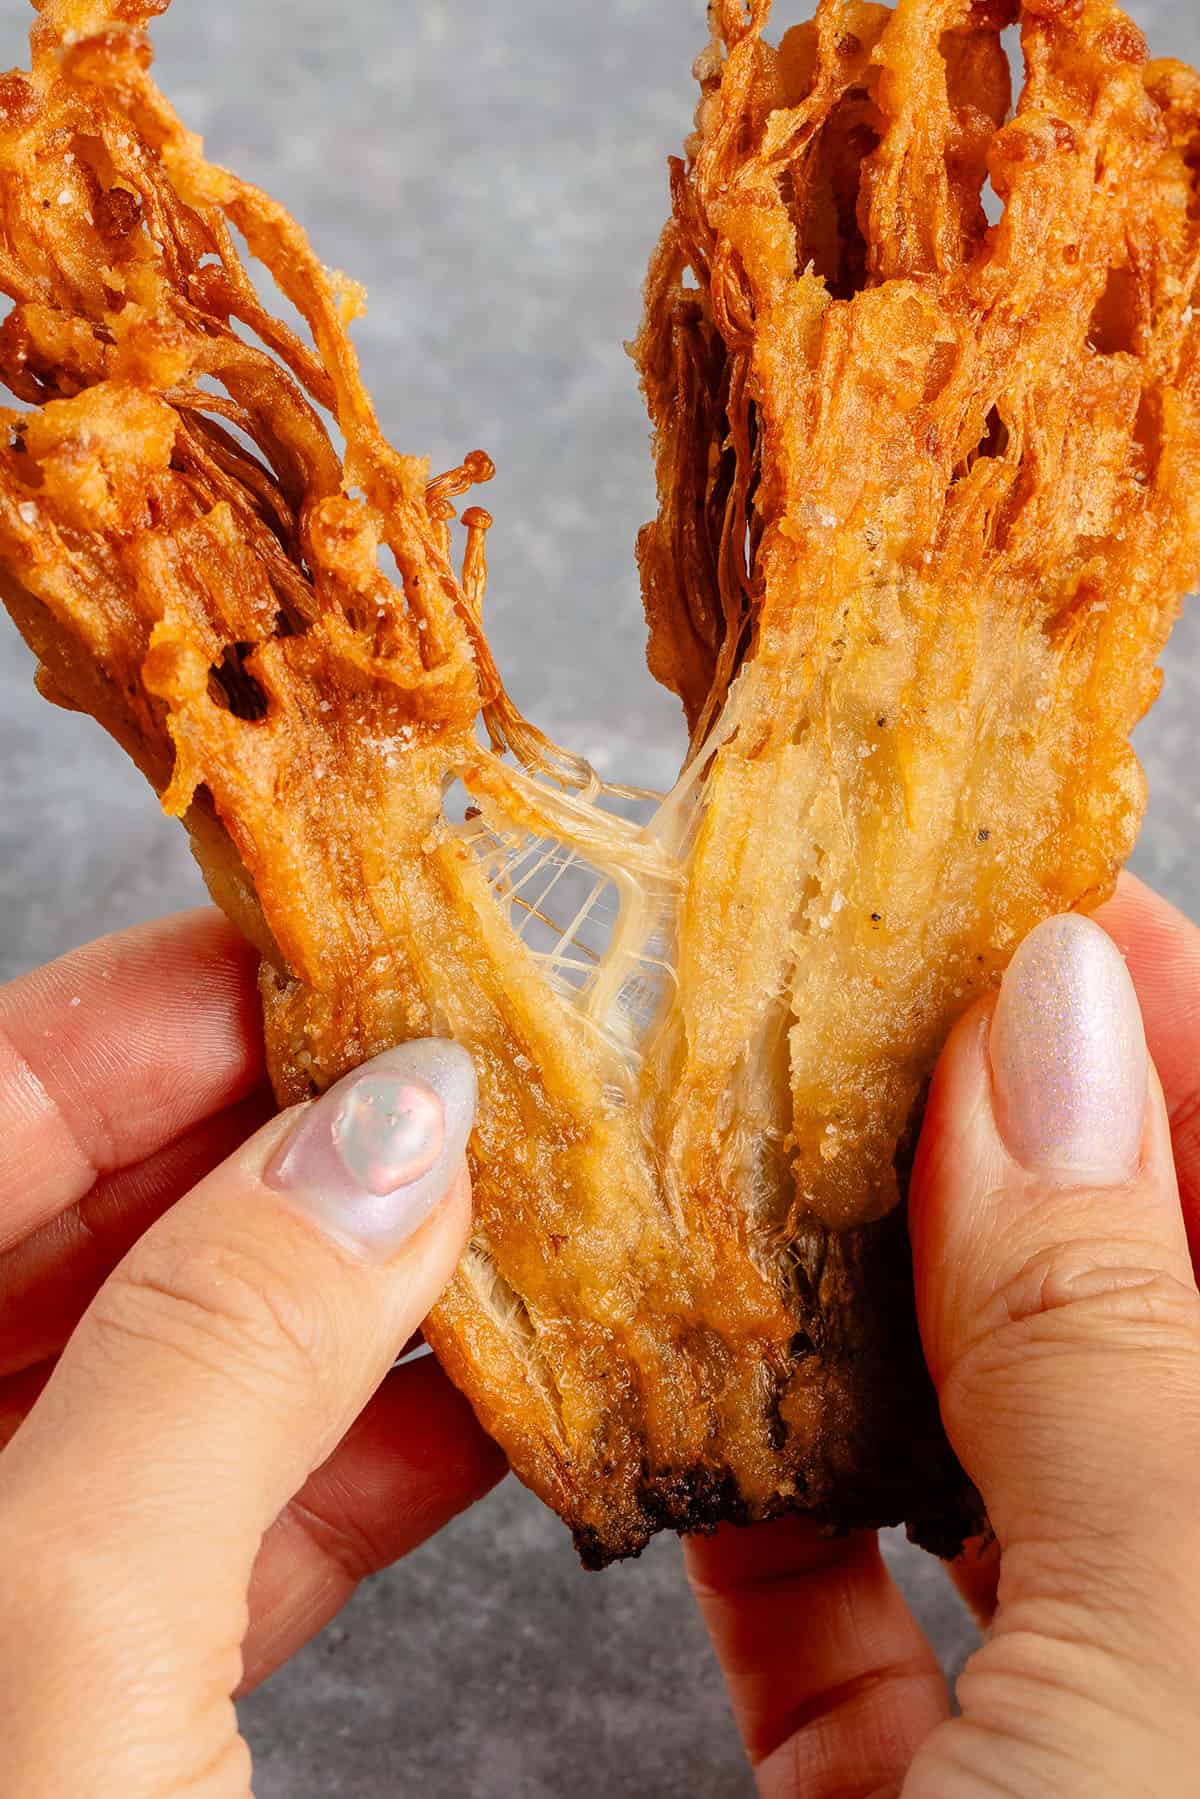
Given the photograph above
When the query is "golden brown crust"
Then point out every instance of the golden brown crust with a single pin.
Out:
(929, 499)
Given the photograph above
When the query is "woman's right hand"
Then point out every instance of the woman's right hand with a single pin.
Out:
(1061, 1320)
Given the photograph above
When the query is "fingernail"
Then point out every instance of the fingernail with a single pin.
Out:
(1069, 1058)
(371, 1159)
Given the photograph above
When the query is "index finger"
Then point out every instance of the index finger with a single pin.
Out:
(107, 1055)
(833, 1685)
(1162, 948)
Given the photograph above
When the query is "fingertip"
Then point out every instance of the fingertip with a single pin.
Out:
(381, 1152)
(115, 1050)
(1045, 1122)
(825, 1665)
(736, 1556)
(1049, 1251)
(1068, 1055)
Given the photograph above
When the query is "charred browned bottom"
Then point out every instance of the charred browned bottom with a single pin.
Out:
(697, 1501)
(880, 1457)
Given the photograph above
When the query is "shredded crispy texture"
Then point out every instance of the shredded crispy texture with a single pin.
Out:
(929, 497)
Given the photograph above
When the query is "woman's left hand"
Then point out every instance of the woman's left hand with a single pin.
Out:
(202, 1450)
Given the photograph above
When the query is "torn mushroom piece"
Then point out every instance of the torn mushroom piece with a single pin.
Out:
(929, 495)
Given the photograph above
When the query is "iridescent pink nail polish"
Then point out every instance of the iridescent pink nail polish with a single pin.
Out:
(372, 1158)
(388, 1132)
(1069, 1058)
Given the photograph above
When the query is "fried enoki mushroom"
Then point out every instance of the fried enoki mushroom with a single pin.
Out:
(930, 495)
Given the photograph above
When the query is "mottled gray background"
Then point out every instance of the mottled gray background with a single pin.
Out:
(496, 176)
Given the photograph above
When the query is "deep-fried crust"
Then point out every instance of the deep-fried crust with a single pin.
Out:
(930, 494)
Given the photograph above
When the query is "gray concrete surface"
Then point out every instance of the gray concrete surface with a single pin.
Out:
(496, 176)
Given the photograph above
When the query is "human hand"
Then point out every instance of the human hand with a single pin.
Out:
(201, 1448)
(1061, 1322)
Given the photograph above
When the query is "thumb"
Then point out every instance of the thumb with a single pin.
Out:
(220, 1365)
(1061, 1323)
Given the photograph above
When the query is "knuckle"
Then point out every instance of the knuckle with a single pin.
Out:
(1091, 1330)
(228, 1310)
(346, 1542)
(1093, 1291)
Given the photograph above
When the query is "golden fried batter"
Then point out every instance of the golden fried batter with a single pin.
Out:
(929, 497)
